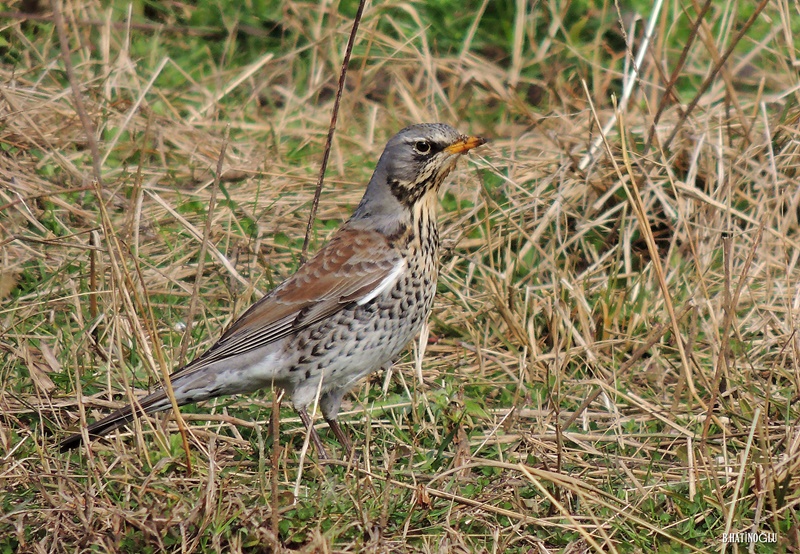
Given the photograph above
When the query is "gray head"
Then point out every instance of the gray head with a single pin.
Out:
(414, 163)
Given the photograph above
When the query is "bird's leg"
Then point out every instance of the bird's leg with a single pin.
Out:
(306, 419)
(343, 440)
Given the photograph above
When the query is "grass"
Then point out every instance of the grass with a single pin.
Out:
(612, 362)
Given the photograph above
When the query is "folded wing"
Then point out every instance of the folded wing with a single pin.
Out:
(338, 275)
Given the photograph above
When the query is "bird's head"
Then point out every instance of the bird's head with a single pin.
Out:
(414, 163)
(418, 158)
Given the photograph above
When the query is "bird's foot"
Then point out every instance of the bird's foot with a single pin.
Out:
(306, 419)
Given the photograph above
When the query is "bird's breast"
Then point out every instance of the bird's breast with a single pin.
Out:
(366, 336)
(421, 252)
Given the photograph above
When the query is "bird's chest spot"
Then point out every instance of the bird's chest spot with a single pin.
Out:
(412, 297)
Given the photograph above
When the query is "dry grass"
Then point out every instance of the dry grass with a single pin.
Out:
(613, 362)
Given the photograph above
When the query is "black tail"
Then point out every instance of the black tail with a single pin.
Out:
(149, 404)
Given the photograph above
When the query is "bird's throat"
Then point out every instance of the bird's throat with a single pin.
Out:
(423, 221)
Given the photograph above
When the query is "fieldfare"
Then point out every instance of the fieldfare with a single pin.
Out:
(348, 311)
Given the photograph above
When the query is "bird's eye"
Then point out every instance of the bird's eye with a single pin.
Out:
(422, 147)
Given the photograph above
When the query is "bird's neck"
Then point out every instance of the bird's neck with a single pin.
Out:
(422, 230)
(399, 223)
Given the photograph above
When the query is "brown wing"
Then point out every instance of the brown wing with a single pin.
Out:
(351, 267)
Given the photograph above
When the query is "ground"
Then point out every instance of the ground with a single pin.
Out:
(611, 363)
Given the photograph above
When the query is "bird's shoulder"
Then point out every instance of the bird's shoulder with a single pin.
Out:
(351, 267)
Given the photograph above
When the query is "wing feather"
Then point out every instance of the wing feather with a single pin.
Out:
(354, 267)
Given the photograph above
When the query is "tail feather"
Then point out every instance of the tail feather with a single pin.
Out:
(152, 403)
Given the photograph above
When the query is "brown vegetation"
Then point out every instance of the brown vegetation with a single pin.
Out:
(612, 361)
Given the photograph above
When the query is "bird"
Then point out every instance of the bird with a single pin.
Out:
(348, 311)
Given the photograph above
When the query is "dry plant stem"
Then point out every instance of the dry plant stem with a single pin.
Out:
(311, 435)
(191, 229)
(80, 108)
(136, 303)
(132, 111)
(634, 196)
(275, 457)
(568, 515)
(182, 30)
(655, 336)
(707, 37)
(94, 292)
(85, 433)
(731, 301)
(244, 75)
(385, 497)
(577, 486)
(713, 75)
(162, 365)
(553, 396)
(212, 202)
(676, 72)
(629, 84)
(641, 214)
(93, 284)
(473, 29)
(331, 129)
(27, 199)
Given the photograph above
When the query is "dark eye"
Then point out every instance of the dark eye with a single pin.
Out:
(422, 147)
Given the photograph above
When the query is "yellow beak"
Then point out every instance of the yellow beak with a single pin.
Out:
(465, 144)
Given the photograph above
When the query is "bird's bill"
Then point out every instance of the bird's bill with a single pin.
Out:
(465, 144)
